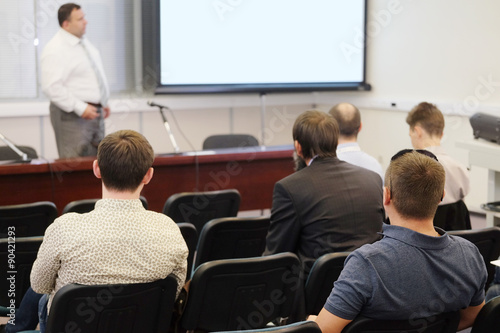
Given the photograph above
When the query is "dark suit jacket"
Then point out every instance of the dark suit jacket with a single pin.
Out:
(329, 206)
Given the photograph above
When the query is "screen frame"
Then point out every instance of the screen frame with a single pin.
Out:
(260, 88)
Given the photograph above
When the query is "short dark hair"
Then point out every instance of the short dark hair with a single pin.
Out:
(64, 12)
(416, 183)
(317, 133)
(124, 157)
(428, 116)
(348, 118)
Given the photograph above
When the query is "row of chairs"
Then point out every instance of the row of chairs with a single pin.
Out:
(240, 238)
(225, 295)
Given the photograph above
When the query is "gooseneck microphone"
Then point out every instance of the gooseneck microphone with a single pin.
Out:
(21, 154)
(151, 103)
(166, 124)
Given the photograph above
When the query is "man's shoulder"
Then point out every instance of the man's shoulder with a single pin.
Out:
(335, 169)
(55, 45)
(462, 242)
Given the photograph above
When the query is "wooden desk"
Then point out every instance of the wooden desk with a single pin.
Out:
(252, 171)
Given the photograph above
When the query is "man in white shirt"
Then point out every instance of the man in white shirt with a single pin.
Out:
(426, 130)
(348, 118)
(73, 79)
(117, 242)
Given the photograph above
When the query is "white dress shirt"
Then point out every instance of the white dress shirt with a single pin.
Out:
(457, 184)
(351, 153)
(67, 75)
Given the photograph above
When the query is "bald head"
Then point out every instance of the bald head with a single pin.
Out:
(348, 118)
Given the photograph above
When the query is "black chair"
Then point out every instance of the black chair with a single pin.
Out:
(114, 308)
(298, 327)
(230, 141)
(232, 237)
(6, 153)
(190, 236)
(239, 294)
(87, 205)
(453, 216)
(27, 219)
(319, 284)
(487, 241)
(441, 323)
(488, 319)
(200, 207)
(17, 256)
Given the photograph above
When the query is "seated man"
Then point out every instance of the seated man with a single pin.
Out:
(349, 119)
(417, 270)
(426, 130)
(119, 241)
(328, 206)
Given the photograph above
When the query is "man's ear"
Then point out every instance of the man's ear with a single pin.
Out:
(419, 130)
(148, 176)
(360, 127)
(386, 196)
(298, 148)
(97, 171)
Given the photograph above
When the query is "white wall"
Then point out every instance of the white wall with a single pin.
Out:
(444, 52)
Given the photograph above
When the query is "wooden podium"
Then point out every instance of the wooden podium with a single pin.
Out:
(253, 171)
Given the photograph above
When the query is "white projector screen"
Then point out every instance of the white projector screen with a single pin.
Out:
(261, 45)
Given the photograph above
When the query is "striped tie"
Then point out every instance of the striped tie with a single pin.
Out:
(100, 77)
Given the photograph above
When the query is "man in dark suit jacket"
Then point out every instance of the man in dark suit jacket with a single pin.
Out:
(328, 206)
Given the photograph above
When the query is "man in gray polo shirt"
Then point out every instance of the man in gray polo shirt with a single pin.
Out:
(416, 270)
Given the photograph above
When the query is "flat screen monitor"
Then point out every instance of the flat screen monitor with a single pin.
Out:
(224, 46)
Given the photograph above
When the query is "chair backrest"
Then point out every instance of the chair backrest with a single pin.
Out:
(319, 283)
(190, 236)
(488, 319)
(441, 323)
(27, 219)
(232, 237)
(6, 153)
(239, 294)
(17, 254)
(114, 308)
(298, 327)
(454, 216)
(487, 241)
(229, 141)
(87, 205)
(200, 207)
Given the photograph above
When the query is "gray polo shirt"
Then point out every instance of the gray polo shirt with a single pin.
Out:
(409, 275)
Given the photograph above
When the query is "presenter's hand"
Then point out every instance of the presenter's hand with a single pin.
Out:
(106, 111)
(90, 112)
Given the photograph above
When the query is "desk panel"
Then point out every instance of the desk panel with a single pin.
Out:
(253, 172)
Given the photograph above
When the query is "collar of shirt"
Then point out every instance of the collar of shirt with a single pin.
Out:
(69, 37)
(436, 150)
(417, 239)
(312, 159)
(119, 204)
(348, 147)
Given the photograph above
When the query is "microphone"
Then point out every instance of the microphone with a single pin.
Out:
(21, 154)
(166, 124)
(151, 103)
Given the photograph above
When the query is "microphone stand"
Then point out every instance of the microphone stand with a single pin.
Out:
(24, 156)
(169, 131)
